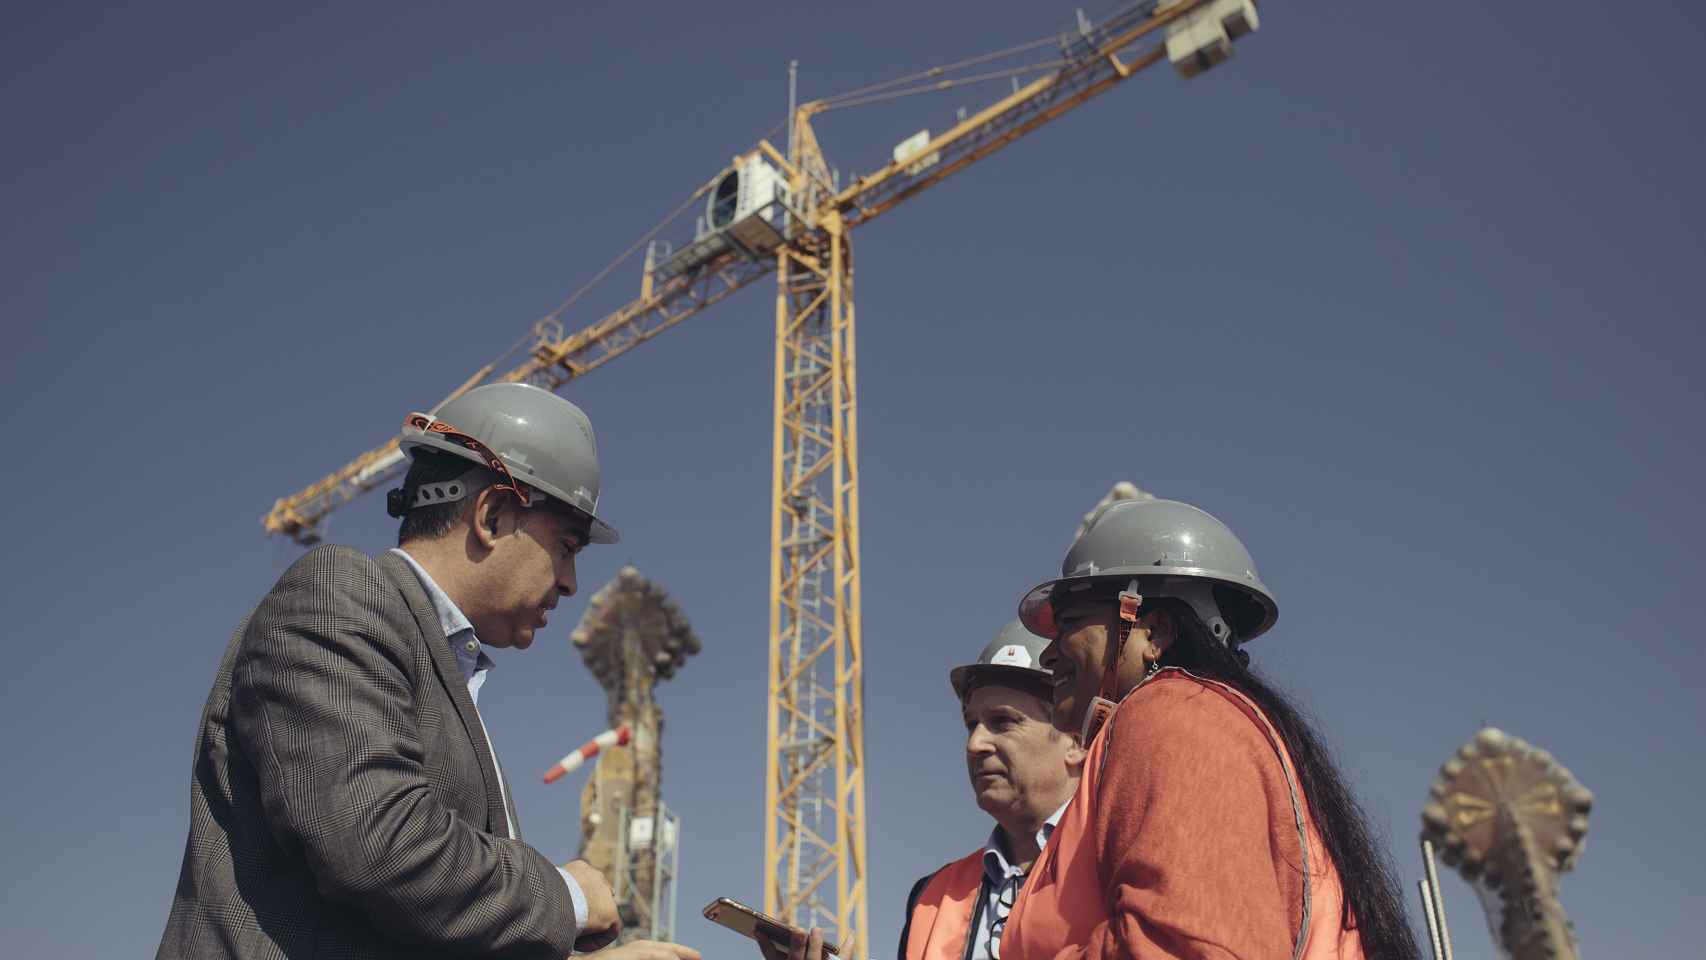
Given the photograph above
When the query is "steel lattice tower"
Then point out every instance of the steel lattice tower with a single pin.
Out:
(814, 837)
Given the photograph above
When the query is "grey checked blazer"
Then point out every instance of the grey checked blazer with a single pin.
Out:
(344, 802)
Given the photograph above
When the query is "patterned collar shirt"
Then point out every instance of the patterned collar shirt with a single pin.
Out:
(1002, 880)
(475, 667)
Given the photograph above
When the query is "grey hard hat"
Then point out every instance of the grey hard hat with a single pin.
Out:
(544, 440)
(1015, 653)
(1171, 549)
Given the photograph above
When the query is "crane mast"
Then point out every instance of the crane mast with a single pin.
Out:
(789, 215)
(814, 841)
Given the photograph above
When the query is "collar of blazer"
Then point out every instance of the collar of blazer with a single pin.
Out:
(450, 675)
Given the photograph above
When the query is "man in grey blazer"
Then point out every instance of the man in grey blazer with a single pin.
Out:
(345, 800)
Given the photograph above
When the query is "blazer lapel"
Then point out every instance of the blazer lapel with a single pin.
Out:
(444, 664)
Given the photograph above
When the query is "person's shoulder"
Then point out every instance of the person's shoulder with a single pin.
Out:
(333, 565)
(340, 576)
(971, 861)
(1188, 712)
(333, 591)
(974, 858)
(334, 558)
(916, 894)
(1176, 696)
(918, 888)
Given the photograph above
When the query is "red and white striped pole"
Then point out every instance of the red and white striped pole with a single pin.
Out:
(618, 737)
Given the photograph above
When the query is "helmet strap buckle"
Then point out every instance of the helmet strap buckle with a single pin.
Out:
(1102, 707)
(1130, 602)
(1094, 719)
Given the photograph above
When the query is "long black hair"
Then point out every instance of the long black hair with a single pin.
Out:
(1372, 902)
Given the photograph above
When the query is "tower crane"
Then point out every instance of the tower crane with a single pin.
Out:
(788, 214)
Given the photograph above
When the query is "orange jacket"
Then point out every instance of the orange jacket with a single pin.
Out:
(1183, 841)
(939, 926)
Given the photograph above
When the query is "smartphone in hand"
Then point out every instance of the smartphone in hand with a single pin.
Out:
(748, 922)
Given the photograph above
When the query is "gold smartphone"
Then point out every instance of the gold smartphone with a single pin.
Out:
(748, 922)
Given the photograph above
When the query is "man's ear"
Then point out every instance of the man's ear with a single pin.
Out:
(490, 511)
(1075, 756)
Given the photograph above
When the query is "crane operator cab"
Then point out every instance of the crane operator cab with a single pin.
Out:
(743, 212)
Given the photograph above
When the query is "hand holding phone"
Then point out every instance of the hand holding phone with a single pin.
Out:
(765, 930)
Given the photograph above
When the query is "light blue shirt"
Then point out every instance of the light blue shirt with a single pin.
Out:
(475, 666)
(1005, 879)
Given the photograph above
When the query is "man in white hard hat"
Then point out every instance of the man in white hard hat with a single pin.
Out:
(1023, 771)
(346, 800)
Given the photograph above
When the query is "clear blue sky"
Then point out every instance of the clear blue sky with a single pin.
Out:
(1407, 294)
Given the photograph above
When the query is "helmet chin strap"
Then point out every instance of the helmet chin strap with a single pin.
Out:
(1102, 707)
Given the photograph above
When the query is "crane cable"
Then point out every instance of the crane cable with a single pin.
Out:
(871, 93)
(948, 84)
(828, 102)
(649, 234)
(556, 314)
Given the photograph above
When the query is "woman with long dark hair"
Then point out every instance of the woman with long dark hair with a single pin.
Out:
(1210, 820)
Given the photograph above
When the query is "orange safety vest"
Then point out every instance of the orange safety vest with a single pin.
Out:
(940, 925)
(1065, 900)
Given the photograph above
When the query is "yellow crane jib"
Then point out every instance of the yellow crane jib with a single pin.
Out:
(750, 209)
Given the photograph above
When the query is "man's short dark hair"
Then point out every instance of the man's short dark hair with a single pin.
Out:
(436, 520)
